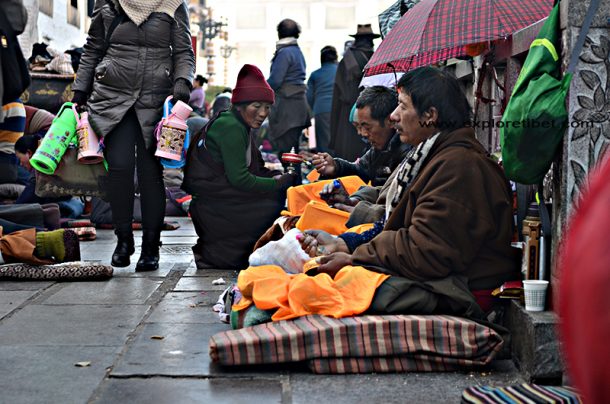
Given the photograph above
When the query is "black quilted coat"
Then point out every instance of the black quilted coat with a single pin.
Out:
(138, 69)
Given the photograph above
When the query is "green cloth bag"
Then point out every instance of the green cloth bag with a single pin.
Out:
(536, 118)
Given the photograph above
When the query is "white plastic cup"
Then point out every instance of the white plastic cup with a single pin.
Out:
(535, 294)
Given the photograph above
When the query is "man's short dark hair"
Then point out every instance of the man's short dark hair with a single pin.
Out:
(328, 54)
(288, 28)
(430, 87)
(381, 100)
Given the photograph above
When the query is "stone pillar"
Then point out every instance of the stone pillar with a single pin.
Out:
(588, 109)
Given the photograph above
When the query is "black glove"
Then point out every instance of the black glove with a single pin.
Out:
(182, 91)
(80, 99)
(286, 181)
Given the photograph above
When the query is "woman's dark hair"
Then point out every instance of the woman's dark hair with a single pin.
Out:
(27, 142)
(381, 100)
(430, 87)
(201, 79)
(288, 28)
(328, 54)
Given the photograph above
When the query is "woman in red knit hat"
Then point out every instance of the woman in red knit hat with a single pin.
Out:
(235, 198)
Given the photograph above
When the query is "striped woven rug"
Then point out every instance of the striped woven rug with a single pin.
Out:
(522, 393)
(362, 344)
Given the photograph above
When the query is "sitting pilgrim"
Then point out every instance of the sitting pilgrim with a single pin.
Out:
(313, 202)
(235, 197)
(446, 234)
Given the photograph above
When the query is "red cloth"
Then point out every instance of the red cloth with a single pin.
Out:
(252, 86)
(584, 310)
(485, 299)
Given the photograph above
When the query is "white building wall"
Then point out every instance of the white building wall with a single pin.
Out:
(323, 23)
(55, 30)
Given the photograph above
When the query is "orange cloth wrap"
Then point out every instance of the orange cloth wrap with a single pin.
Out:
(268, 287)
(320, 216)
(299, 196)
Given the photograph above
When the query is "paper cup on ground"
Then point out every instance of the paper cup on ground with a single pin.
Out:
(535, 294)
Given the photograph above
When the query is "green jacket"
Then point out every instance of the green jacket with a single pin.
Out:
(227, 140)
(217, 161)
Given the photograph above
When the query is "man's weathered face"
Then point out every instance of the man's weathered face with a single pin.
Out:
(371, 129)
(412, 127)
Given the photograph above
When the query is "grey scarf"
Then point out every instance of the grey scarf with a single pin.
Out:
(288, 41)
(138, 11)
(406, 172)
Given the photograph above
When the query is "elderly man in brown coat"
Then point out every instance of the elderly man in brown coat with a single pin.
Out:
(448, 225)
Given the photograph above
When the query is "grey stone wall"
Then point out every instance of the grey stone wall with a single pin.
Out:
(588, 108)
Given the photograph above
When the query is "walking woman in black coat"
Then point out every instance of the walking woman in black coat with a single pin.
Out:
(137, 54)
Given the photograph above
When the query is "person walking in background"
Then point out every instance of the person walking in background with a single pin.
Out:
(137, 53)
(320, 95)
(290, 113)
(197, 100)
(344, 139)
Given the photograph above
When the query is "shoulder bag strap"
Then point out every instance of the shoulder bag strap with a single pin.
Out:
(584, 30)
(118, 19)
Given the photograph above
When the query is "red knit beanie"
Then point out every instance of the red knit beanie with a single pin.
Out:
(252, 86)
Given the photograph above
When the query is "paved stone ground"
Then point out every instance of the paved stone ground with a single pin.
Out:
(47, 327)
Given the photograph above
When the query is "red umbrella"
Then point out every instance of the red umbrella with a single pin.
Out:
(437, 30)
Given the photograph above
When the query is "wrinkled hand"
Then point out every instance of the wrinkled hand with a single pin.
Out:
(319, 242)
(285, 181)
(333, 196)
(182, 91)
(80, 99)
(324, 164)
(331, 264)
(344, 207)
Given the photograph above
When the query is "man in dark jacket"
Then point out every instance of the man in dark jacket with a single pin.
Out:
(448, 225)
(290, 113)
(320, 95)
(372, 119)
(344, 138)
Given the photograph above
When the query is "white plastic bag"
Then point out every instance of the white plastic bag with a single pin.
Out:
(286, 253)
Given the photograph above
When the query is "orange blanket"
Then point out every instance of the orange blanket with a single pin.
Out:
(299, 196)
(269, 287)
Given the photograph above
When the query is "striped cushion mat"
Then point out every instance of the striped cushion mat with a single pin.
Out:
(363, 344)
(522, 393)
(58, 272)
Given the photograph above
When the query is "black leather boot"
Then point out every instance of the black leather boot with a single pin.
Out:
(149, 259)
(124, 246)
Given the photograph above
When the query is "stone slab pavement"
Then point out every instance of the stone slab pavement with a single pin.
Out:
(48, 327)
